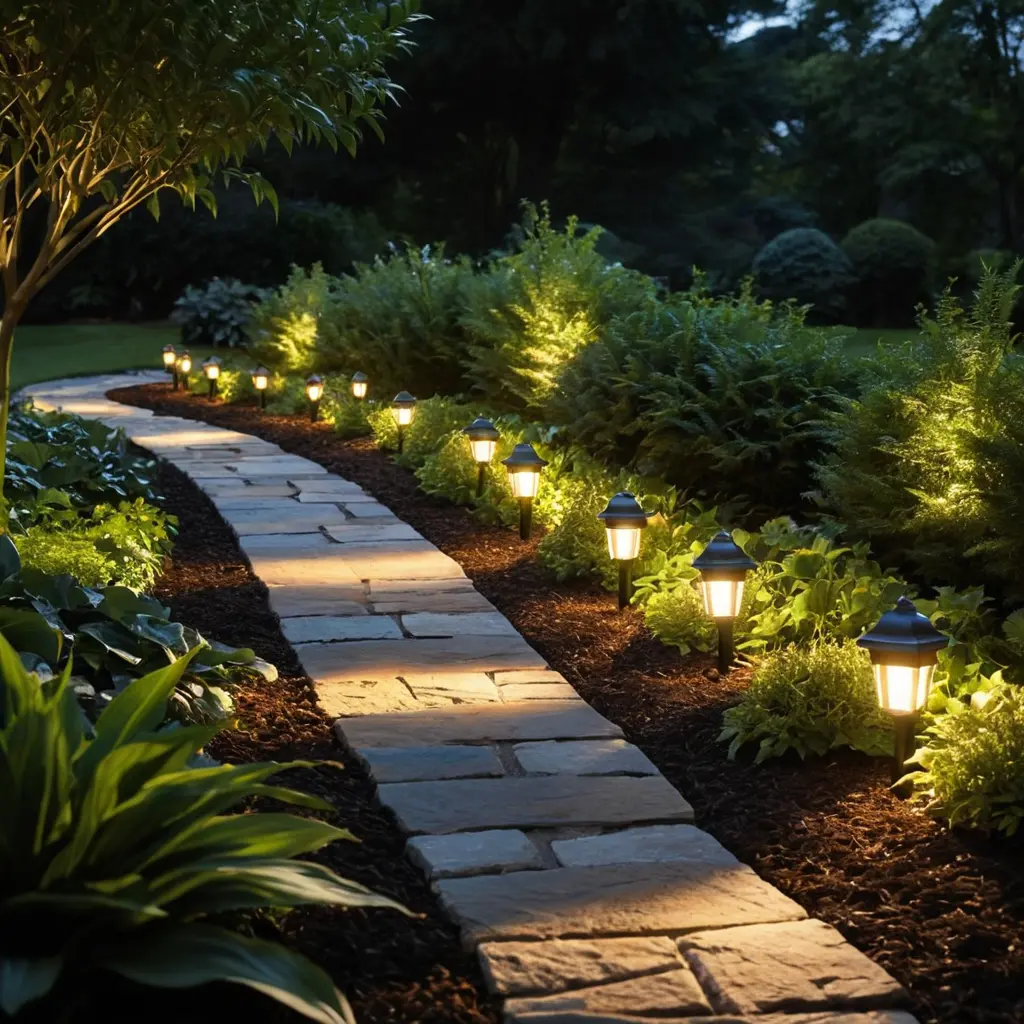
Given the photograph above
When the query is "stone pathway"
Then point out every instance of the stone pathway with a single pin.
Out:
(569, 863)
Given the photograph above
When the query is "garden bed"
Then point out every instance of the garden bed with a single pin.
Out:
(944, 912)
(392, 968)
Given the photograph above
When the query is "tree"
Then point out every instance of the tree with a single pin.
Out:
(106, 103)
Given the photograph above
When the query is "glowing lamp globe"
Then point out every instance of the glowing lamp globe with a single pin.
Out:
(904, 648)
(483, 438)
(623, 520)
(524, 466)
(403, 408)
(360, 382)
(723, 568)
(261, 378)
(185, 363)
(314, 388)
(211, 368)
(169, 356)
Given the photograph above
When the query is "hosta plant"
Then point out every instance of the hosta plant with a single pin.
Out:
(809, 700)
(117, 856)
(217, 313)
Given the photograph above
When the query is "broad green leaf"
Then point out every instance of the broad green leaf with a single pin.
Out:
(24, 980)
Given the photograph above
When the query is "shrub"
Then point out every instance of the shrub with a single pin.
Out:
(895, 265)
(810, 700)
(533, 310)
(930, 466)
(118, 858)
(972, 763)
(726, 399)
(677, 618)
(58, 554)
(805, 265)
(217, 313)
(434, 420)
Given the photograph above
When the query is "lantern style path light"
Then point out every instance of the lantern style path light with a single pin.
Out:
(483, 438)
(723, 568)
(360, 382)
(403, 408)
(184, 366)
(170, 358)
(211, 368)
(261, 381)
(314, 392)
(904, 648)
(623, 519)
(524, 466)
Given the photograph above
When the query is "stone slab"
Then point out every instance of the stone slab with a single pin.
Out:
(788, 968)
(386, 658)
(413, 764)
(297, 568)
(365, 697)
(583, 757)
(538, 691)
(452, 595)
(543, 968)
(582, 1017)
(441, 624)
(323, 497)
(549, 802)
(318, 599)
(313, 628)
(280, 531)
(247, 506)
(283, 545)
(400, 560)
(656, 844)
(455, 686)
(510, 722)
(352, 532)
(274, 466)
(331, 484)
(474, 854)
(368, 510)
(615, 900)
(528, 676)
(673, 993)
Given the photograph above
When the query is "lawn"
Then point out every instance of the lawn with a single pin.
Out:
(46, 351)
(861, 341)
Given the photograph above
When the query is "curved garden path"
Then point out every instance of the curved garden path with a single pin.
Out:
(570, 864)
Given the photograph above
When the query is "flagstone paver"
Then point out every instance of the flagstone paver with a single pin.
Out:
(566, 858)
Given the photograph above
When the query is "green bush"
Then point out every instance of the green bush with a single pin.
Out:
(677, 618)
(726, 399)
(217, 313)
(434, 420)
(59, 553)
(894, 264)
(810, 700)
(972, 763)
(806, 266)
(930, 466)
(117, 856)
(533, 310)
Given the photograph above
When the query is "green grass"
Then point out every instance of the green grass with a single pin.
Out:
(862, 341)
(43, 352)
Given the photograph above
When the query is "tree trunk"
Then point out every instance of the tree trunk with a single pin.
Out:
(7, 324)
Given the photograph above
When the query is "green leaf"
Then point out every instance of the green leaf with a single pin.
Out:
(10, 562)
(189, 955)
(153, 205)
(23, 981)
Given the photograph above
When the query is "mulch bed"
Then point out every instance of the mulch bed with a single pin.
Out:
(942, 911)
(393, 969)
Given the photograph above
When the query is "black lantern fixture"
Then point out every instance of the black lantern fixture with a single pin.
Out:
(314, 392)
(360, 382)
(261, 381)
(904, 648)
(723, 568)
(483, 439)
(623, 519)
(524, 466)
(211, 369)
(184, 366)
(170, 358)
(403, 408)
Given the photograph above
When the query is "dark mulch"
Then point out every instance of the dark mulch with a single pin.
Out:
(941, 910)
(392, 968)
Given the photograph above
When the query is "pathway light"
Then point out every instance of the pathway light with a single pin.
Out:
(904, 648)
(403, 408)
(261, 381)
(360, 382)
(184, 366)
(723, 568)
(314, 392)
(483, 439)
(170, 358)
(211, 368)
(524, 466)
(623, 519)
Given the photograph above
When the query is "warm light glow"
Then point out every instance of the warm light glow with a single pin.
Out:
(722, 598)
(170, 357)
(402, 414)
(359, 388)
(185, 363)
(524, 482)
(903, 688)
(212, 371)
(623, 543)
(314, 391)
(483, 451)
(260, 381)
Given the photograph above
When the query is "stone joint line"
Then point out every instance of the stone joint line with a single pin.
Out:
(569, 862)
